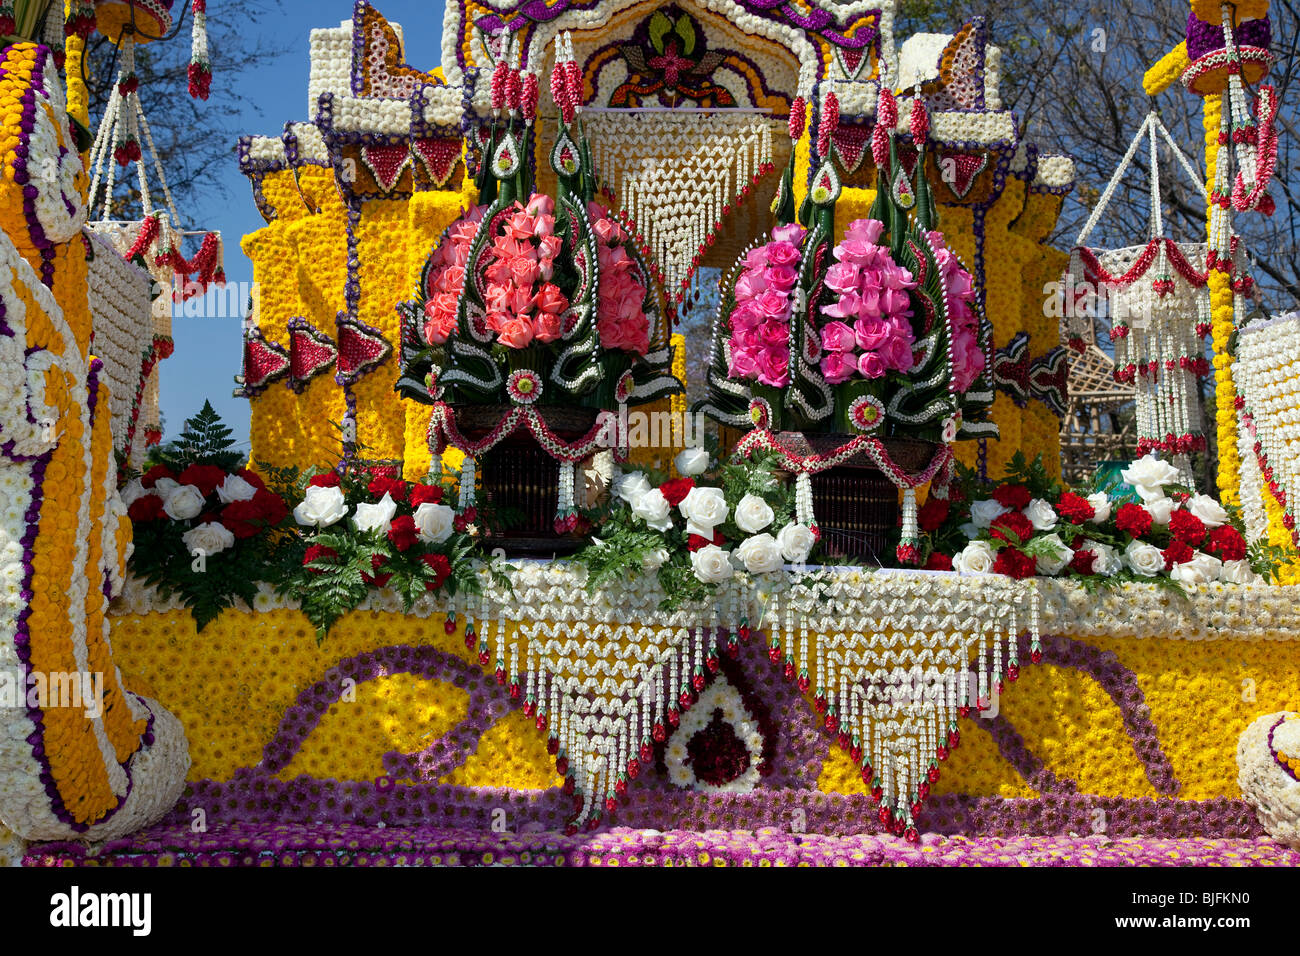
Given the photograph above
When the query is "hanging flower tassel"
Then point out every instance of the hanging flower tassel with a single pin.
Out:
(8, 24)
(566, 516)
(803, 503)
(200, 70)
(909, 551)
(465, 504)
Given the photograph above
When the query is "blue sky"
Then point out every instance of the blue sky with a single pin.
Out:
(207, 353)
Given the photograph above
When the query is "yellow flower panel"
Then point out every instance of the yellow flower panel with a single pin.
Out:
(512, 753)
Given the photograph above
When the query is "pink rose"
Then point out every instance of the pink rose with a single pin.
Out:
(745, 316)
(607, 231)
(968, 359)
(772, 305)
(548, 247)
(756, 259)
(858, 251)
(445, 302)
(521, 299)
(596, 211)
(896, 277)
(546, 326)
(524, 272)
(837, 337)
(846, 307)
(782, 254)
(549, 298)
(496, 321)
(743, 364)
(749, 285)
(781, 278)
(897, 354)
(545, 227)
(517, 333)
(772, 367)
(838, 367)
(871, 334)
(793, 233)
(870, 365)
(842, 277)
(540, 204)
(520, 225)
(865, 230)
(497, 298)
(895, 302)
(775, 334)
(439, 327)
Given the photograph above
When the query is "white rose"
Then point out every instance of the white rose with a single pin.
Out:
(796, 542)
(753, 514)
(435, 522)
(211, 537)
(969, 529)
(1144, 559)
(631, 486)
(692, 462)
(1101, 507)
(976, 558)
(1149, 475)
(1202, 569)
(761, 554)
(653, 508)
(1055, 563)
(984, 513)
(376, 517)
(711, 564)
(652, 561)
(183, 503)
(133, 491)
(163, 487)
(321, 507)
(1106, 560)
(704, 509)
(1160, 510)
(1041, 515)
(235, 488)
(1208, 510)
(1239, 572)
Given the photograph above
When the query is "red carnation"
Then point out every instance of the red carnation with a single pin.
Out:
(1012, 496)
(326, 479)
(145, 508)
(1178, 552)
(1012, 523)
(426, 495)
(395, 487)
(1226, 544)
(1186, 527)
(318, 552)
(1075, 508)
(1133, 519)
(938, 561)
(402, 532)
(441, 568)
(377, 580)
(243, 519)
(206, 478)
(694, 542)
(1015, 563)
(676, 489)
(931, 515)
(270, 506)
(154, 473)
(1082, 562)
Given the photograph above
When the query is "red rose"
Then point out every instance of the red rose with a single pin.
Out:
(402, 532)
(694, 542)
(1082, 562)
(1133, 519)
(1012, 496)
(1009, 524)
(1178, 552)
(1075, 508)
(318, 552)
(1015, 563)
(243, 518)
(439, 566)
(938, 561)
(145, 508)
(1185, 526)
(252, 477)
(377, 580)
(426, 495)
(676, 489)
(154, 473)
(1227, 544)
(931, 515)
(395, 487)
(206, 478)
(326, 479)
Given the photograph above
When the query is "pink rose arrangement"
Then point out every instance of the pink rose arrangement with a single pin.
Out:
(522, 304)
(959, 295)
(447, 276)
(620, 319)
(870, 332)
(760, 320)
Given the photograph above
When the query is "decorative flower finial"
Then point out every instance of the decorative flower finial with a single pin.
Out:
(919, 122)
(798, 115)
(830, 119)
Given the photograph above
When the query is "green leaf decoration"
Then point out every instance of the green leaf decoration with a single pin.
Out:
(686, 30)
(660, 27)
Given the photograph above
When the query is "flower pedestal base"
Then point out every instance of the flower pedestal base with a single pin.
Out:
(855, 503)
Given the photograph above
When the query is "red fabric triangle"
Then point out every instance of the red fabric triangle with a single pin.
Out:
(439, 157)
(386, 163)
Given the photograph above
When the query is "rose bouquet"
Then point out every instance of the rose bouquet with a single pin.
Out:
(356, 532)
(697, 531)
(203, 525)
(1029, 524)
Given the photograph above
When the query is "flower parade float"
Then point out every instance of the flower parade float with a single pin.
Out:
(1092, 675)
